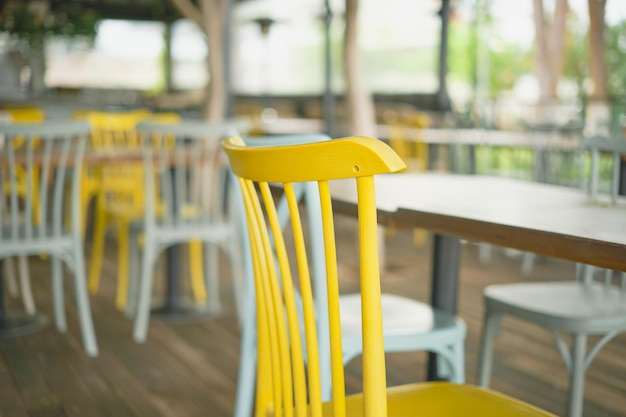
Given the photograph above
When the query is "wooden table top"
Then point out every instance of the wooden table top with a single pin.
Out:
(546, 219)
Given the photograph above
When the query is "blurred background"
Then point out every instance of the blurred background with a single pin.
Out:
(287, 55)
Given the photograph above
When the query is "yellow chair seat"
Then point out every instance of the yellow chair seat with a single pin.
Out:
(442, 399)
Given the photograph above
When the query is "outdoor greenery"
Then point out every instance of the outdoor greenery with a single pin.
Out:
(29, 22)
(616, 59)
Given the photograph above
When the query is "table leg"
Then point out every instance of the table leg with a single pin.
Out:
(176, 308)
(12, 325)
(445, 280)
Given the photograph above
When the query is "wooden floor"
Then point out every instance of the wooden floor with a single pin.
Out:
(190, 369)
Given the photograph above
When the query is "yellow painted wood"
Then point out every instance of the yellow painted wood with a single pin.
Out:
(280, 386)
(198, 286)
(292, 163)
(121, 190)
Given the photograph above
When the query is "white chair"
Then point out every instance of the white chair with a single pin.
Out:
(184, 176)
(580, 308)
(597, 145)
(54, 150)
(409, 325)
(20, 115)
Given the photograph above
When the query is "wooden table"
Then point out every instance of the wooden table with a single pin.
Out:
(545, 219)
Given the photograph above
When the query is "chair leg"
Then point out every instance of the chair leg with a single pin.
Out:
(82, 304)
(58, 297)
(528, 261)
(142, 315)
(97, 246)
(122, 264)
(9, 274)
(198, 286)
(211, 275)
(244, 398)
(238, 277)
(484, 253)
(27, 293)
(133, 276)
(458, 368)
(577, 376)
(491, 328)
(445, 367)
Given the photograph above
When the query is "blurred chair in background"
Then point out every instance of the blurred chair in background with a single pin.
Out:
(119, 194)
(23, 115)
(580, 308)
(56, 150)
(184, 181)
(406, 139)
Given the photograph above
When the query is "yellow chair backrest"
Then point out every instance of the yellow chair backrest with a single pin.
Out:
(115, 130)
(286, 385)
(25, 114)
(405, 137)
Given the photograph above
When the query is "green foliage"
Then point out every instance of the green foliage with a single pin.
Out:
(616, 60)
(462, 51)
(507, 61)
(31, 23)
(576, 65)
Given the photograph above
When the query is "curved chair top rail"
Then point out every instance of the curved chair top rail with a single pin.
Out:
(46, 129)
(369, 156)
(196, 128)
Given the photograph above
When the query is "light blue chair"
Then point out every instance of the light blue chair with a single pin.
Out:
(596, 145)
(50, 153)
(182, 169)
(581, 307)
(408, 325)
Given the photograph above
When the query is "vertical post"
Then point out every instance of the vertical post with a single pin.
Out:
(167, 60)
(228, 56)
(1, 290)
(329, 99)
(445, 280)
(443, 100)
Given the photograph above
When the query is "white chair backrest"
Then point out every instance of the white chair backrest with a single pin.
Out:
(183, 171)
(40, 167)
(596, 145)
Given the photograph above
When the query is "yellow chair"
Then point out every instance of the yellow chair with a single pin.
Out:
(406, 139)
(119, 196)
(287, 384)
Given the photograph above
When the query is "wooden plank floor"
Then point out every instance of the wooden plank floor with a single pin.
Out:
(190, 369)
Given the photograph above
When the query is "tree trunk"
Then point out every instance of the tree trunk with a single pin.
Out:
(210, 15)
(549, 48)
(598, 112)
(37, 62)
(214, 17)
(597, 55)
(359, 103)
